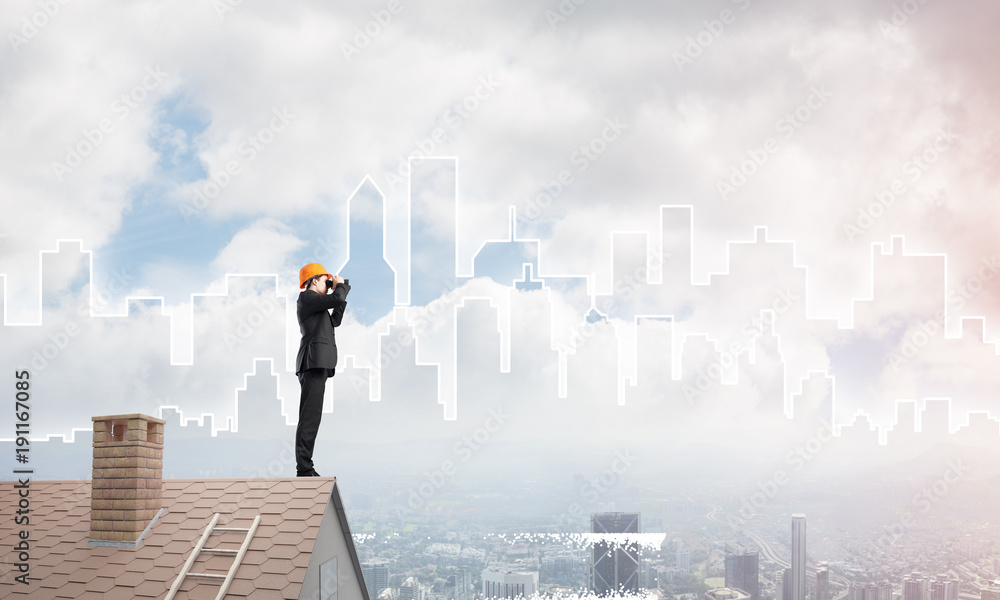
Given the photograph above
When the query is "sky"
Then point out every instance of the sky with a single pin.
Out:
(832, 165)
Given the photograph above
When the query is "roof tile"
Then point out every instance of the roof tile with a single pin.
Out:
(281, 551)
(150, 589)
(277, 566)
(71, 590)
(271, 581)
(119, 593)
(239, 487)
(241, 587)
(292, 590)
(82, 574)
(130, 579)
(289, 539)
(101, 584)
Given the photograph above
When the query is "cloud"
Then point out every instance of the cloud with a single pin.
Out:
(813, 114)
(265, 246)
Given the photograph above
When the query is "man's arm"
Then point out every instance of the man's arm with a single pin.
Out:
(340, 292)
(313, 302)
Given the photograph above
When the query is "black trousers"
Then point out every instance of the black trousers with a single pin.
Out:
(313, 383)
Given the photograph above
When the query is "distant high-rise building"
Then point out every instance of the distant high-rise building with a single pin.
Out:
(870, 591)
(798, 557)
(742, 569)
(883, 591)
(969, 546)
(990, 592)
(915, 587)
(684, 560)
(651, 577)
(410, 589)
(458, 585)
(785, 588)
(499, 583)
(943, 587)
(376, 574)
(822, 582)
(615, 567)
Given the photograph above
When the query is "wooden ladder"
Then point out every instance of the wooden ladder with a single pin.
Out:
(200, 547)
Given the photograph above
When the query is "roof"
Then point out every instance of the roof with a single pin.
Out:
(64, 565)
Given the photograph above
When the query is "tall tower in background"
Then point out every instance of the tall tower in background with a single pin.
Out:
(822, 582)
(798, 556)
(914, 586)
(684, 560)
(376, 575)
(615, 567)
(742, 570)
(943, 587)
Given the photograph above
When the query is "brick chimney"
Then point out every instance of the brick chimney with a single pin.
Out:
(127, 487)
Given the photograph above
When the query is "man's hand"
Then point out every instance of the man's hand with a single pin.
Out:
(337, 279)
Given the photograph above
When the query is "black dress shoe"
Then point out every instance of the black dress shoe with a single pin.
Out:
(310, 473)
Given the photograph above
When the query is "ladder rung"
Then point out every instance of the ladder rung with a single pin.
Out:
(200, 547)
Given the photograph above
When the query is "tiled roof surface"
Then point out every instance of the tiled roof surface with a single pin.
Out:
(63, 565)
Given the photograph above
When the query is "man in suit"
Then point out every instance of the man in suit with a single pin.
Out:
(317, 357)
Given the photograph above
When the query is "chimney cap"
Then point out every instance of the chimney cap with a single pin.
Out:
(129, 416)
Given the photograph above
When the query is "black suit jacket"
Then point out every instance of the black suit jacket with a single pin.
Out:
(318, 348)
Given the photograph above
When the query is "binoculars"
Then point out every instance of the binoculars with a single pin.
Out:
(329, 284)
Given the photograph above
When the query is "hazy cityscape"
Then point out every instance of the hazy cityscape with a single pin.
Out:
(696, 557)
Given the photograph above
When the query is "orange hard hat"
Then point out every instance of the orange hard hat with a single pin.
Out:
(309, 271)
